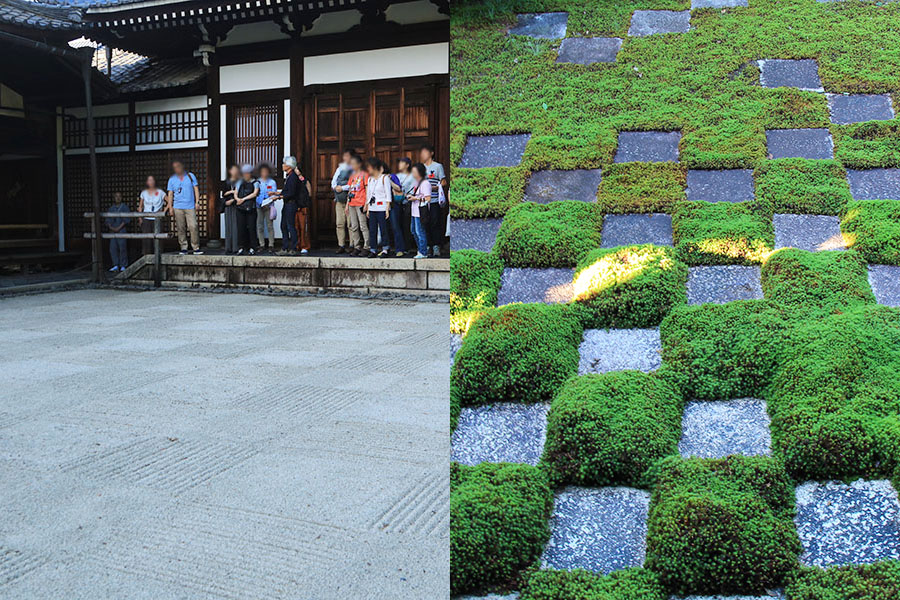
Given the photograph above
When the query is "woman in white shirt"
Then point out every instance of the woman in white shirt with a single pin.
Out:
(419, 200)
(152, 200)
(380, 191)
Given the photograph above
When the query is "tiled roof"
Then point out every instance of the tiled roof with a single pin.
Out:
(40, 14)
(155, 75)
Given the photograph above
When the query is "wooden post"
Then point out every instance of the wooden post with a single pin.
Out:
(97, 245)
(213, 156)
(303, 152)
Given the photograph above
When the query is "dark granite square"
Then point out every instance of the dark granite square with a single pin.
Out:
(494, 150)
(629, 230)
(799, 143)
(550, 186)
(652, 22)
(808, 232)
(858, 108)
(885, 282)
(848, 524)
(548, 26)
(874, 184)
(801, 74)
(717, 3)
(549, 286)
(474, 234)
(648, 146)
(586, 51)
(503, 432)
(719, 429)
(722, 284)
(730, 185)
(598, 529)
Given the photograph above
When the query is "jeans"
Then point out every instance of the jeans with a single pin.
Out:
(118, 251)
(434, 225)
(378, 222)
(265, 226)
(246, 225)
(185, 222)
(288, 226)
(417, 228)
(397, 226)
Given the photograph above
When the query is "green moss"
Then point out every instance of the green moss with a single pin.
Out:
(867, 145)
(549, 235)
(800, 186)
(721, 233)
(499, 515)
(609, 429)
(478, 193)
(872, 228)
(635, 187)
(879, 581)
(517, 353)
(628, 584)
(722, 526)
(474, 280)
(628, 286)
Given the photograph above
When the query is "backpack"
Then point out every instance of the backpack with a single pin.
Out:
(245, 189)
(303, 198)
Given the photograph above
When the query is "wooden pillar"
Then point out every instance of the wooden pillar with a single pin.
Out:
(213, 129)
(97, 245)
(299, 143)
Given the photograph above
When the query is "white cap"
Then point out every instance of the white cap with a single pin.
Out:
(246, 169)
(290, 161)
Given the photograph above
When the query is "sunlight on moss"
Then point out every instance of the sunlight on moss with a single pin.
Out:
(611, 270)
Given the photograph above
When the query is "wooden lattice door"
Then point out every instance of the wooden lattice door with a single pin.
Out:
(255, 134)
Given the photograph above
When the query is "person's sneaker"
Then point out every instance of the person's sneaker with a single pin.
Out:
(251, 251)
(354, 252)
(114, 269)
(371, 255)
(420, 255)
(436, 251)
(304, 251)
(281, 253)
(341, 250)
(293, 253)
(198, 252)
(384, 254)
(121, 269)
(401, 254)
(240, 252)
(182, 252)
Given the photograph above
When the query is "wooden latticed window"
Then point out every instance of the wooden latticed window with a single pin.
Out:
(108, 131)
(172, 126)
(255, 134)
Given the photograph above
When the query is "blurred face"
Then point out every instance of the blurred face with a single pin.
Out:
(264, 172)
(247, 175)
(118, 196)
(234, 173)
(286, 168)
(151, 182)
(424, 155)
(345, 157)
(402, 166)
(178, 168)
(416, 175)
(356, 164)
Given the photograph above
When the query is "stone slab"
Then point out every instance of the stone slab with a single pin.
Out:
(885, 282)
(502, 432)
(474, 234)
(799, 143)
(549, 286)
(874, 184)
(494, 150)
(547, 26)
(554, 185)
(858, 108)
(606, 350)
(802, 74)
(728, 185)
(808, 232)
(723, 283)
(648, 146)
(654, 22)
(598, 529)
(848, 524)
(587, 51)
(628, 230)
(721, 428)
(717, 3)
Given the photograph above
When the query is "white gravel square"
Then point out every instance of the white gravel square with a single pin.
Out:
(606, 350)
(501, 432)
(722, 428)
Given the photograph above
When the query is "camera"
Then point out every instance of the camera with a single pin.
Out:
(372, 201)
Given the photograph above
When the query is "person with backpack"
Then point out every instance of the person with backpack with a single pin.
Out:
(379, 190)
(400, 215)
(419, 202)
(304, 205)
(181, 202)
(435, 223)
(356, 202)
(245, 203)
(290, 193)
(339, 182)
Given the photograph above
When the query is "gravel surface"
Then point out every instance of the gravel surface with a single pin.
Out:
(502, 432)
(587, 51)
(874, 184)
(494, 150)
(858, 108)
(605, 350)
(648, 146)
(841, 524)
(455, 344)
(550, 286)
(548, 26)
(720, 284)
(885, 282)
(808, 232)
(799, 143)
(549, 186)
(718, 429)
(652, 22)
(802, 74)
(598, 529)
(729, 185)
(474, 234)
(629, 230)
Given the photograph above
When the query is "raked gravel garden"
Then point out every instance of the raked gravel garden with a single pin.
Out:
(675, 300)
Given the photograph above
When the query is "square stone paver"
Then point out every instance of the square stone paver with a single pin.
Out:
(885, 282)
(549, 286)
(606, 350)
(799, 143)
(550, 186)
(494, 150)
(548, 26)
(729, 185)
(598, 529)
(808, 232)
(652, 22)
(874, 184)
(719, 429)
(503, 432)
(648, 146)
(717, 3)
(628, 230)
(473, 234)
(802, 74)
(858, 108)
(726, 283)
(848, 524)
(587, 51)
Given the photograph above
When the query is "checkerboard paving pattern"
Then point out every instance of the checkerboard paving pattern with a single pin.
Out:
(799, 143)
(556, 185)
(716, 429)
(504, 432)
(725, 283)
(648, 146)
(729, 185)
(628, 230)
(808, 232)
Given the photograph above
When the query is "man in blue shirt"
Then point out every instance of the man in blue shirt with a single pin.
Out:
(182, 196)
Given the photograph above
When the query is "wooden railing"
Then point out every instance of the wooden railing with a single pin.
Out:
(156, 236)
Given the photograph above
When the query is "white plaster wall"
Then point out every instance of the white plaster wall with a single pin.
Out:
(387, 63)
(248, 77)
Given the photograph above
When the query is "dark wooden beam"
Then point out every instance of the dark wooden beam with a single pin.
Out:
(213, 154)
